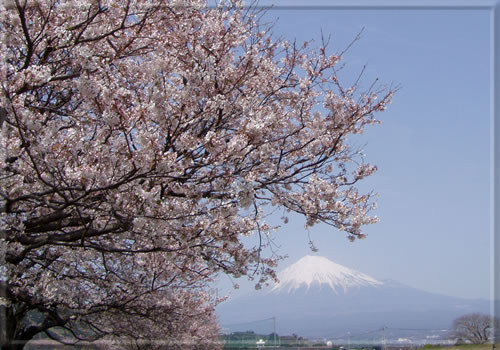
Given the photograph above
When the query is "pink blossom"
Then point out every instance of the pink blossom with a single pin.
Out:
(142, 143)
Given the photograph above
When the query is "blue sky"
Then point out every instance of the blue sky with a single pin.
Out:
(432, 150)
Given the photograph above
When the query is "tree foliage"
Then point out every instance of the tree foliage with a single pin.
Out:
(475, 328)
(140, 142)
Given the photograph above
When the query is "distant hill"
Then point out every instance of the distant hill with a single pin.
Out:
(317, 297)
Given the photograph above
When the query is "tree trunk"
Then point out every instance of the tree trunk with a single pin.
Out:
(12, 335)
(7, 319)
(8, 326)
(14, 345)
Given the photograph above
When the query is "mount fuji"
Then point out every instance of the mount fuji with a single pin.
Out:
(317, 297)
(316, 271)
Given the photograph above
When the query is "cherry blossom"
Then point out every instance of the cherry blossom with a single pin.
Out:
(141, 142)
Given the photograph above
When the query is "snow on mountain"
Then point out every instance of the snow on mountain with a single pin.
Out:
(317, 297)
(316, 270)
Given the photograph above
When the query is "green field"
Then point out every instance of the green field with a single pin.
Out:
(464, 347)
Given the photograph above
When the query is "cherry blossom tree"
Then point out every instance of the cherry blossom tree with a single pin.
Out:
(140, 142)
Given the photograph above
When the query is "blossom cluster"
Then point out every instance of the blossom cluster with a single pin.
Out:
(143, 141)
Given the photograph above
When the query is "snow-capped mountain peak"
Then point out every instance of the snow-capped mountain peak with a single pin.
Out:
(316, 270)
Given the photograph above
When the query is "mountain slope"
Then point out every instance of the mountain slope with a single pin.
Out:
(319, 271)
(317, 297)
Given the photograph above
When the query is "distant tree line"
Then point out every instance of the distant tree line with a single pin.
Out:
(474, 328)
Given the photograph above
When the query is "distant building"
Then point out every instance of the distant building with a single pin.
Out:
(260, 343)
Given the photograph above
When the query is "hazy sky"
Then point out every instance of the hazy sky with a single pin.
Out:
(432, 150)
